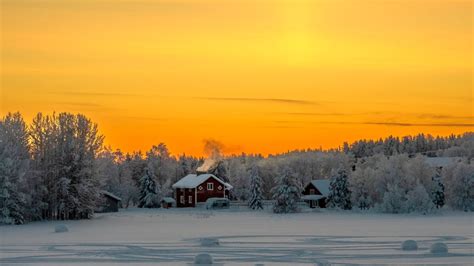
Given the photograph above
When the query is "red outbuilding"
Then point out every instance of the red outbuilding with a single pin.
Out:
(193, 189)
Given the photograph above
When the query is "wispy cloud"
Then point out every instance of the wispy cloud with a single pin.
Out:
(84, 106)
(93, 94)
(443, 116)
(401, 124)
(268, 100)
(80, 104)
(145, 118)
(315, 114)
(394, 114)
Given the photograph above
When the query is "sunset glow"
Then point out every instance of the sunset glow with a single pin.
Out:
(258, 76)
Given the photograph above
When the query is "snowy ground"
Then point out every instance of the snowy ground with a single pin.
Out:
(174, 237)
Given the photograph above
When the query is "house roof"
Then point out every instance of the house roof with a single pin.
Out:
(228, 186)
(110, 195)
(322, 185)
(193, 180)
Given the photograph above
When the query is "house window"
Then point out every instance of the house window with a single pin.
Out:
(190, 199)
(181, 199)
(210, 186)
(312, 191)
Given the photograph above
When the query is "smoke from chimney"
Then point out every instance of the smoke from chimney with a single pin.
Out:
(212, 149)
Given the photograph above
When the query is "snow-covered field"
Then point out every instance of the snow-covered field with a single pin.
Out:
(234, 237)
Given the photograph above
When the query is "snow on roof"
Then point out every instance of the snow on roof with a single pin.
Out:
(312, 197)
(322, 185)
(111, 195)
(168, 200)
(193, 180)
(228, 186)
(441, 161)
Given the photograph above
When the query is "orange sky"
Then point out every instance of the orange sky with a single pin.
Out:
(259, 76)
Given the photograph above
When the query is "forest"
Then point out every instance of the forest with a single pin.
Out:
(55, 167)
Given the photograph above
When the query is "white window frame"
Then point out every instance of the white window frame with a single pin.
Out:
(210, 186)
(181, 199)
(190, 199)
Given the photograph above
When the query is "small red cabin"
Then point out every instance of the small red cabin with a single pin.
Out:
(316, 193)
(193, 189)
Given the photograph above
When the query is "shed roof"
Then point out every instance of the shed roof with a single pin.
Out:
(193, 180)
(110, 195)
(168, 200)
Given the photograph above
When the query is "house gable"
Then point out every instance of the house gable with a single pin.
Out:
(311, 188)
(210, 188)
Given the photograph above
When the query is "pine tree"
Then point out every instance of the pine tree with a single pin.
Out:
(255, 201)
(12, 205)
(339, 193)
(149, 192)
(286, 194)
(437, 193)
(364, 202)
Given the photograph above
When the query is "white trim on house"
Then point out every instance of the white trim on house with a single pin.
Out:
(210, 186)
(195, 197)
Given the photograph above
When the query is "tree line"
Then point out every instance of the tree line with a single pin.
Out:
(56, 167)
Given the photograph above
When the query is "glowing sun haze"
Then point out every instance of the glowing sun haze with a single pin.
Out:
(259, 76)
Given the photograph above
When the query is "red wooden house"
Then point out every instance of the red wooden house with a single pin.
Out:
(193, 189)
(316, 193)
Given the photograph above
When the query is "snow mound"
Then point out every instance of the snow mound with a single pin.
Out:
(439, 248)
(209, 242)
(203, 259)
(409, 245)
(60, 228)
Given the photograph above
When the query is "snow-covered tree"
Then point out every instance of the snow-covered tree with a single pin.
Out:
(417, 170)
(460, 186)
(149, 192)
(339, 193)
(437, 191)
(160, 164)
(166, 189)
(65, 146)
(239, 178)
(115, 175)
(220, 170)
(418, 200)
(394, 200)
(286, 193)
(256, 199)
(362, 187)
(14, 163)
